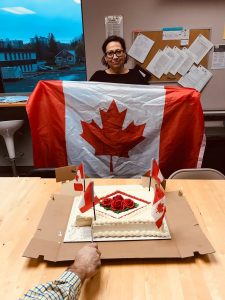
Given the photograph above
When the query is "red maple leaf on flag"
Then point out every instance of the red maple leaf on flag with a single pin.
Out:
(112, 139)
(160, 207)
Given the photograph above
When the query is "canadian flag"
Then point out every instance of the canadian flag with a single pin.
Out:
(88, 199)
(155, 172)
(158, 206)
(79, 179)
(115, 129)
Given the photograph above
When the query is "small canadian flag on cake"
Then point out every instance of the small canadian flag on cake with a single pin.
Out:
(158, 206)
(79, 179)
(88, 199)
(156, 174)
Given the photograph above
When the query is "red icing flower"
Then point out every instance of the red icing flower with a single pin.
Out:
(118, 197)
(106, 202)
(129, 203)
(117, 204)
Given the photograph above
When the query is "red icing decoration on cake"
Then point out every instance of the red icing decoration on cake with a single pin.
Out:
(118, 203)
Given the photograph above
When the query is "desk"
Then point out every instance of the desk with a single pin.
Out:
(13, 104)
(23, 201)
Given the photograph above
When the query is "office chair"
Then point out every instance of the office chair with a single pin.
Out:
(204, 173)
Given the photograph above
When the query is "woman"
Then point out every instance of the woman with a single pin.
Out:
(115, 57)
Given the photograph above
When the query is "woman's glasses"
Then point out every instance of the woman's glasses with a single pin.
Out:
(118, 53)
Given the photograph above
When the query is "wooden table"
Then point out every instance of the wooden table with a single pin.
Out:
(23, 201)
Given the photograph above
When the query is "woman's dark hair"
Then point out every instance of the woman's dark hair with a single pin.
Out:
(113, 38)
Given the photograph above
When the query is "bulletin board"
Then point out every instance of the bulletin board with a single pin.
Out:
(157, 37)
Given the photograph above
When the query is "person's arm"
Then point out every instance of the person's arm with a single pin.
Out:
(141, 75)
(68, 286)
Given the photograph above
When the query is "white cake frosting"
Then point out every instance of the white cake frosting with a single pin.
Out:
(136, 222)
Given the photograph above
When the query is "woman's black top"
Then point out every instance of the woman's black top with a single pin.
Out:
(132, 77)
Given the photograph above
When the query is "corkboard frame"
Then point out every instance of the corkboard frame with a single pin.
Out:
(157, 37)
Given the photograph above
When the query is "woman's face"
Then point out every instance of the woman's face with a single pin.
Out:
(115, 56)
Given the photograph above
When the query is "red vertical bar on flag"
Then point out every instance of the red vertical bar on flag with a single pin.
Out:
(181, 133)
(48, 133)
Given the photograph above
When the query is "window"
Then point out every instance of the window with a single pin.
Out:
(64, 28)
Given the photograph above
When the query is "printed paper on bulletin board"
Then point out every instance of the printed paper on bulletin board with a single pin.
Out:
(159, 43)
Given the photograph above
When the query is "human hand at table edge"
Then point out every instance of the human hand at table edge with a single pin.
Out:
(87, 262)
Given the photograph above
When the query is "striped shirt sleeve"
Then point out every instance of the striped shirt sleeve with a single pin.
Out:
(66, 287)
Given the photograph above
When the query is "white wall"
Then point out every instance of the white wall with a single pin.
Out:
(154, 15)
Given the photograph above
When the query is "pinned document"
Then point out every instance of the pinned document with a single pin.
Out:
(172, 55)
(180, 58)
(196, 78)
(188, 62)
(158, 64)
(140, 48)
(114, 25)
(200, 47)
(174, 34)
(218, 59)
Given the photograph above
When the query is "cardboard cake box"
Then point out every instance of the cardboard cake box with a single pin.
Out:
(187, 237)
